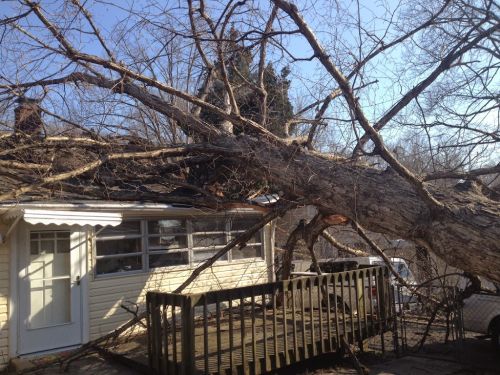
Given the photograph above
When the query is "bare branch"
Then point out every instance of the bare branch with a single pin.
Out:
(342, 247)
(463, 175)
(354, 104)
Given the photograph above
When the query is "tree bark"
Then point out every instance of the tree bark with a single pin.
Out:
(464, 233)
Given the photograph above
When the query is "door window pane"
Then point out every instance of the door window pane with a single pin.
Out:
(45, 266)
(34, 248)
(49, 302)
(47, 246)
(63, 246)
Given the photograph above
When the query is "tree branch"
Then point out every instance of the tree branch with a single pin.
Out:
(241, 239)
(342, 247)
(462, 175)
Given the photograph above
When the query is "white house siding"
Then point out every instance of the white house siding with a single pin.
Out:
(4, 302)
(108, 293)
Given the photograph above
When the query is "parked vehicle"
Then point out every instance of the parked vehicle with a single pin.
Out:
(404, 299)
(481, 314)
(346, 264)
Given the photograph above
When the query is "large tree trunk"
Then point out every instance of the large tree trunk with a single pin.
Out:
(465, 234)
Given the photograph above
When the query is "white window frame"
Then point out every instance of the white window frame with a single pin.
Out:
(121, 255)
(146, 251)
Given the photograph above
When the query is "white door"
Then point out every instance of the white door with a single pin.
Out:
(50, 260)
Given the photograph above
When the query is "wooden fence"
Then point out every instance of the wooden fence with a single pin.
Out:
(258, 328)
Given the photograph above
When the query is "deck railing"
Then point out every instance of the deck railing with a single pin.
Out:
(258, 328)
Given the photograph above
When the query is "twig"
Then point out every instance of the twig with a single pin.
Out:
(362, 370)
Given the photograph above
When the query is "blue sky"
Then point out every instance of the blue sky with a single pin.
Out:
(309, 79)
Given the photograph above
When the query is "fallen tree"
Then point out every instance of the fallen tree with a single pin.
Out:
(382, 201)
(216, 140)
(192, 106)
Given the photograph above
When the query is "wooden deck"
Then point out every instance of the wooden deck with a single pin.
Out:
(253, 330)
(302, 342)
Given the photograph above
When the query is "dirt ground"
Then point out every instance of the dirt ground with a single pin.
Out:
(469, 356)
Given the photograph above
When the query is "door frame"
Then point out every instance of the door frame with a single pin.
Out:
(15, 280)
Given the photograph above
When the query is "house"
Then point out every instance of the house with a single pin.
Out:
(67, 267)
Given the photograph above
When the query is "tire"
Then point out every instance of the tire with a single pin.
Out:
(495, 334)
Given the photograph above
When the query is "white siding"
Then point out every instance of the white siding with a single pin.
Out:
(106, 294)
(4, 302)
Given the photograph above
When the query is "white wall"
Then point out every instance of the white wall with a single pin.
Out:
(106, 294)
(4, 302)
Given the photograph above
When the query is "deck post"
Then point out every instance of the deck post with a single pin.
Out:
(187, 335)
(383, 298)
(149, 329)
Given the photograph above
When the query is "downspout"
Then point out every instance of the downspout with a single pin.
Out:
(3, 239)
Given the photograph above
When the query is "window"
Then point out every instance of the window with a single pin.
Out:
(167, 242)
(119, 249)
(253, 248)
(138, 245)
(209, 236)
(49, 242)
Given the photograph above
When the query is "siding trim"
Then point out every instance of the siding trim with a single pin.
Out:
(13, 293)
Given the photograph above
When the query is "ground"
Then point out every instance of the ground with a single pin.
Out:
(470, 356)
(477, 358)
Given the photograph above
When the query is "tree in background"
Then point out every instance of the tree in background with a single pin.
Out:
(244, 79)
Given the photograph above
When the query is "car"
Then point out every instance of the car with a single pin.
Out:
(481, 314)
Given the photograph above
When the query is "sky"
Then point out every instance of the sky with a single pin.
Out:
(309, 80)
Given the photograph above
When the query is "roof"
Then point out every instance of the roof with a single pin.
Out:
(81, 168)
(100, 212)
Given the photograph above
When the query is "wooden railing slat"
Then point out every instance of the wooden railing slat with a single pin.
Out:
(285, 331)
(294, 321)
(242, 330)
(302, 317)
(254, 335)
(328, 280)
(275, 329)
(231, 334)
(320, 313)
(174, 339)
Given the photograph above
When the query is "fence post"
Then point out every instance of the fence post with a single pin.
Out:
(149, 328)
(395, 291)
(187, 336)
(383, 297)
(360, 292)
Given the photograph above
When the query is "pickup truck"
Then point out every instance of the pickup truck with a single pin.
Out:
(405, 299)
(481, 314)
